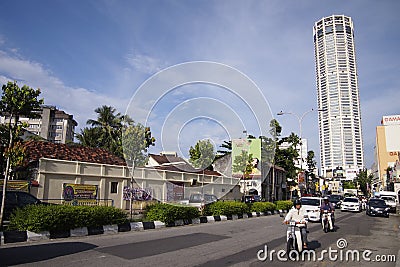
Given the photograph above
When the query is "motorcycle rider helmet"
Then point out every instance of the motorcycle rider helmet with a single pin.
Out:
(297, 202)
(326, 199)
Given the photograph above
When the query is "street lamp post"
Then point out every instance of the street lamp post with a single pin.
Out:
(300, 119)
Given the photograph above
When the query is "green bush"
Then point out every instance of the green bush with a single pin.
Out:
(37, 218)
(263, 206)
(226, 208)
(170, 213)
(284, 204)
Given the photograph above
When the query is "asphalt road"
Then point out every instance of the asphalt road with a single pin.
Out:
(229, 243)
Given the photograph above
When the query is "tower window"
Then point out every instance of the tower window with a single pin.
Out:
(339, 27)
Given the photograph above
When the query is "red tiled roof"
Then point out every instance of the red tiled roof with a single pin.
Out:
(40, 149)
(163, 159)
(186, 168)
(182, 167)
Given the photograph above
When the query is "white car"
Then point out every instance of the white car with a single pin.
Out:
(391, 202)
(351, 204)
(312, 207)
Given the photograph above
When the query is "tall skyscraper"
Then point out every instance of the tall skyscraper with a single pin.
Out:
(340, 133)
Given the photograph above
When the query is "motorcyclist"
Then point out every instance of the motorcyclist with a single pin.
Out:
(329, 207)
(297, 214)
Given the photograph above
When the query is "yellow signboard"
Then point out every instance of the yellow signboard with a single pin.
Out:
(79, 191)
(16, 185)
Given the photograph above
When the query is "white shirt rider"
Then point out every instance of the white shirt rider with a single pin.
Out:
(295, 214)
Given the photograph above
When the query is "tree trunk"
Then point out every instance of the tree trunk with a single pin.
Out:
(3, 202)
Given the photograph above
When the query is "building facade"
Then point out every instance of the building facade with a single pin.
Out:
(94, 174)
(302, 149)
(53, 125)
(340, 133)
(387, 152)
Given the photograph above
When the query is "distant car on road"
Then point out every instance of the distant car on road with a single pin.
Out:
(18, 199)
(248, 199)
(335, 200)
(251, 198)
(312, 207)
(390, 201)
(377, 207)
(351, 204)
(199, 200)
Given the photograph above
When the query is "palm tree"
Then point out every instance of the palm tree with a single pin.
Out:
(105, 131)
(89, 137)
(227, 145)
(106, 118)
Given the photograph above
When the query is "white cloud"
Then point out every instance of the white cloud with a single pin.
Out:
(79, 102)
(145, 64)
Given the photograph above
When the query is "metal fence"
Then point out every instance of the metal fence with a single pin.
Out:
(81, 202)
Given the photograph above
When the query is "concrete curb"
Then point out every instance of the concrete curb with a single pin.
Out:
(210, 219)
(8, 237)
(83, 231)
(31, 236)
(136, 226)
(159, 224)
(110, 229)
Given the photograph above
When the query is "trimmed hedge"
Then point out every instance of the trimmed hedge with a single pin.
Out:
(284, 204)
(263, 206)
(170, 213)
(37, 218)
(226, 208)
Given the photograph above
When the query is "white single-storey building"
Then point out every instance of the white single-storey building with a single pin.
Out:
(81, 174)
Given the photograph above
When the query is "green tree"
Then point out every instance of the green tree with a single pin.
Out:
(136, 139)
(364, 181)
(16, 155)
(268, 144)
(118, 134)
(90, 136)
(227, 149)
(16, 102)
(311, 163)
(286, 157)
(109, 126)
(275, 129)
(243, 163)
(349, 185)
(202, 155)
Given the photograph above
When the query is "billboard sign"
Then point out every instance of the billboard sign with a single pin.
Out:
(246, 158)
(391, 120)
(16, 185)
(79, 191)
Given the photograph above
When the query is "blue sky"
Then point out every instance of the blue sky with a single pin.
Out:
(84, 54)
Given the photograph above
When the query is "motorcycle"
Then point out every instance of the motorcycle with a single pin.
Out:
(325, 220)
(293, 236)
